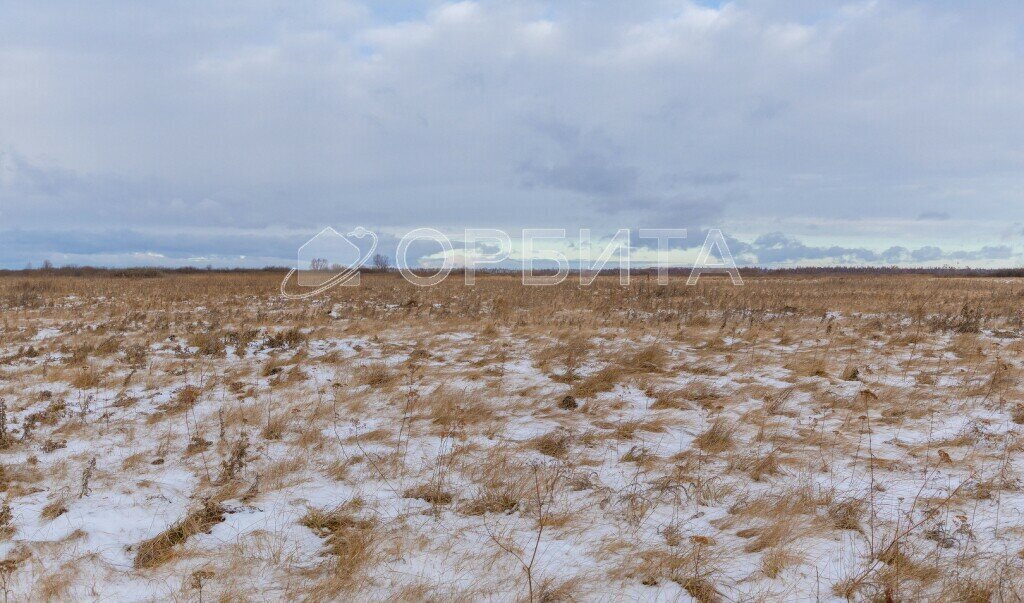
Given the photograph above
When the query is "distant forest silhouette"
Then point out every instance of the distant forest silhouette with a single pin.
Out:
(157, 271)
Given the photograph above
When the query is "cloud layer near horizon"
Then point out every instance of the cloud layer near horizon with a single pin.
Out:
(865, 132)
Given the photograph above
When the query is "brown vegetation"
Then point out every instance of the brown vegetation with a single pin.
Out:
(805, 434)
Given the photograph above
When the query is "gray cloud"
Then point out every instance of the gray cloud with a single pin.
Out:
(926, 254)
(777, 249)
(586, 173)
(259, 117)
(127, 247)
(702, 179)
(933, 215)
(989, 252)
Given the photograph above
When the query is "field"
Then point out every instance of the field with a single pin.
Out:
(195, 437)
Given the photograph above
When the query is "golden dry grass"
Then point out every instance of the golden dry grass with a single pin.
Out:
(854, 436)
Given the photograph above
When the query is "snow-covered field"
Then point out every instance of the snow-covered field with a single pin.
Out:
(221, 445)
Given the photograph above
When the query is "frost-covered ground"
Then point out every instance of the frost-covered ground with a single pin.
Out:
(219, 449)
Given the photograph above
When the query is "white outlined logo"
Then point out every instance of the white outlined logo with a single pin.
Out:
(331, 259)
(328, 260)
(402, 256)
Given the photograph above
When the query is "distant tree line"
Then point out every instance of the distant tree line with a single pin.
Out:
(382, 263)
(379, 263)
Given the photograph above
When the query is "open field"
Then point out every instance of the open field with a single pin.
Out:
(193, 437)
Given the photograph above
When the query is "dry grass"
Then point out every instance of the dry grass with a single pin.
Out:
(377, 375)
(555, 443)
(347, 537)
(603, 380)
(54, 509)
(161, 548)
(854, 436)
(717, 438)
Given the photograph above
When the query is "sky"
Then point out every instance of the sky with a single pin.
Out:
(229, 133)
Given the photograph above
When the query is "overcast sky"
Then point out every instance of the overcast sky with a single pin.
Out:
(228, 133)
